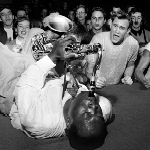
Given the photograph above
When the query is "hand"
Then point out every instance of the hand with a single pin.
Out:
(58, 50)
(147, 83)
(100, 82)
(127, 80)
(141, 50)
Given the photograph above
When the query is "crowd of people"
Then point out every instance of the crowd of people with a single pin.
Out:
(35, 84)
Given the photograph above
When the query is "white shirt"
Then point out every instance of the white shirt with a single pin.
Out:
(18, 46)
(9, 32)
(38, 109)
(147, 46)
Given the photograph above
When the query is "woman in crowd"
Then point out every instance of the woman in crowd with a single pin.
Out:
(22, 27)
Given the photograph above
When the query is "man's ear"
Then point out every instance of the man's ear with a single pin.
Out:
(128, 31)
(127, 34)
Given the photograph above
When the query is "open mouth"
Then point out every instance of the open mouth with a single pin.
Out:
(115, 37)
(23, 33)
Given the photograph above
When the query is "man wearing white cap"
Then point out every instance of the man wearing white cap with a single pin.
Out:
(55, 26)
(40, 111)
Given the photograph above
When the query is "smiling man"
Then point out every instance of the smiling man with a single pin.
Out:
(120, 52)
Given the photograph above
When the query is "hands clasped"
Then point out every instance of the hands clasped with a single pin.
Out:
(127, 80)
(147, 83)
(100, 82)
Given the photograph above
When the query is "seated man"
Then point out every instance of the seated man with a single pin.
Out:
(143, 64)
(119, 55)
(40, 111)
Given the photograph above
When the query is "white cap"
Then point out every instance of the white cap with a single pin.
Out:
(58, 23)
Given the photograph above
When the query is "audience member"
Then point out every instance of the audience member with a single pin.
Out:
(7, 32)
(142, 66)
(138, 30)
(20, 13)
(116, 11)
(22, 26)
(26, 7)
(97, 22)
(44, 13)
(120, 53)
(71, 15)
(80, 15)
(88, 24)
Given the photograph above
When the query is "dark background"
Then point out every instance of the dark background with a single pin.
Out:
(105, 4)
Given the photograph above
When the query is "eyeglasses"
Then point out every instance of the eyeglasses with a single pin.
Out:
(80, 13)
(6, 14)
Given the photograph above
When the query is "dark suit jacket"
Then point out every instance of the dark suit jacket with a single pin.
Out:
(3, 34)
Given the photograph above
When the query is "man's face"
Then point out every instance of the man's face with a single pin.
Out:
(6, 17)
(21, 13)
(81, 14)
(97, 20)
(44, 13)
(26, 8)
(65, 5)
(136, 19)
(71, 15)
(116, 10)
(23, 28)
(84, 109)
(119, 29)
(88, 25)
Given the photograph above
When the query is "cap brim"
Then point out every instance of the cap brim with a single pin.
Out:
(60, 24)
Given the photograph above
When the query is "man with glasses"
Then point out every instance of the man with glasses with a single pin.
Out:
(7, 32)
(81, 14)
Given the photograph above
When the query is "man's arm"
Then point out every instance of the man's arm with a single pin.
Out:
(35, 75)
(129, 69)
(144, 62)
(130, 66)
